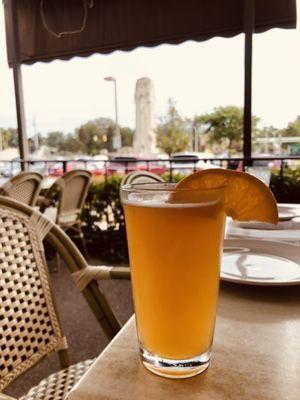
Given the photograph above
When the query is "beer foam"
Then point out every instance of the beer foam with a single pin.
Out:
(161, 201)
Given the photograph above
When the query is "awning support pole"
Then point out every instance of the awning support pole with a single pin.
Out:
(249, 16)
(17, 73)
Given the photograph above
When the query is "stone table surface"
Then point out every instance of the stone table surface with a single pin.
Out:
(256, 355)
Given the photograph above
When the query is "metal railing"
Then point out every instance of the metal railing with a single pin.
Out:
(126, 165)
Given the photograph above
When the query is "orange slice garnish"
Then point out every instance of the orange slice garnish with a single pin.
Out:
(247, 198)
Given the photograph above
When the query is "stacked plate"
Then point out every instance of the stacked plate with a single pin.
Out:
(264, 254)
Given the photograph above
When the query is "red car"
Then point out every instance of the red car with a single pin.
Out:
(122, 165)
(125, 165)
(57, 169)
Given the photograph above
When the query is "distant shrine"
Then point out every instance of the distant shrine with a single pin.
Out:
(144, 138)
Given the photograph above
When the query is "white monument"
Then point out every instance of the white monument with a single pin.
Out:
(144, 138)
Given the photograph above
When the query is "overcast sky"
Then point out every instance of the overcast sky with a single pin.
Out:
(61, 95)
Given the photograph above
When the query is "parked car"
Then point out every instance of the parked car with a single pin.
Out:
(158, 167)
(185, 163)
(263, 163)
(96, 168)
(9, 169)
(57, 168)
(38, 166)
(124, 165)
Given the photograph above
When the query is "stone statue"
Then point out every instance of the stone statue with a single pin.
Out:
(144, 138)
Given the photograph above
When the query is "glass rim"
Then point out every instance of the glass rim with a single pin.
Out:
(131, 187)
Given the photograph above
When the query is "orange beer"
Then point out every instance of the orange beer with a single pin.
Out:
(175, 248)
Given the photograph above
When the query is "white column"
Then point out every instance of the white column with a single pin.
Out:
(144, 138)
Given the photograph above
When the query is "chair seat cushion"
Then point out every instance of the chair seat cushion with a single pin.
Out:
(51, 213)
(58, 385)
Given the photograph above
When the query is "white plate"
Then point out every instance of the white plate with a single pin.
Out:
(293, 208)
(260, 262)
(285, 231)
(267, 226)
(288, 228)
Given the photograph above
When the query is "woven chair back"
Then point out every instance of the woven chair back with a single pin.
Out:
(29, 326)
(73, 187)
(141, 177)
(24, 187)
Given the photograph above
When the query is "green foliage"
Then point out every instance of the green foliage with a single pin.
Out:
(286, 187)
(103, 204)
(95, 135)
(266, 131)
(13, 139)
(72, 145)
(104, 220)
(4, 138)
(9, 137)
(224, 126)
(127, 136)
(55, 140)
(172, 132)
(293, 128)
(89, 138)
(172, 178)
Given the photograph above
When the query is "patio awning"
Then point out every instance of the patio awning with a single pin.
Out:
(103, 26)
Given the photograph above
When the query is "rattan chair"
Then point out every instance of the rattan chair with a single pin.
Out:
(72, 190)
(24, 187)
(29, 324)
(141, 177)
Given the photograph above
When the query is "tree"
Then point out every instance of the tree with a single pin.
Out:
(72, 145)
(95, 135)
(12, 137)
(4, 137)
(56, 140)
(225, 126)
(293, 128)
(267, 131)
(127, 136)
(171, 132)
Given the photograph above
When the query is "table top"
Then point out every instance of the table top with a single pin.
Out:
(256, 355)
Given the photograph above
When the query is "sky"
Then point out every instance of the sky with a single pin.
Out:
(62, 95)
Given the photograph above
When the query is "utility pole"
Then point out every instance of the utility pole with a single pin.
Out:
(117, 134)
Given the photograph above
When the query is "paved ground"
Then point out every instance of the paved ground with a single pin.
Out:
(85, 337)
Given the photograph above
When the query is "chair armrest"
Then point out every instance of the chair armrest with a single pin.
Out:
(120, 273)
(94, 272)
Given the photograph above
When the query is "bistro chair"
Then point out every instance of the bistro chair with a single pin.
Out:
(72, 188)
(141, 177)
(24, 187)
(29, 324)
